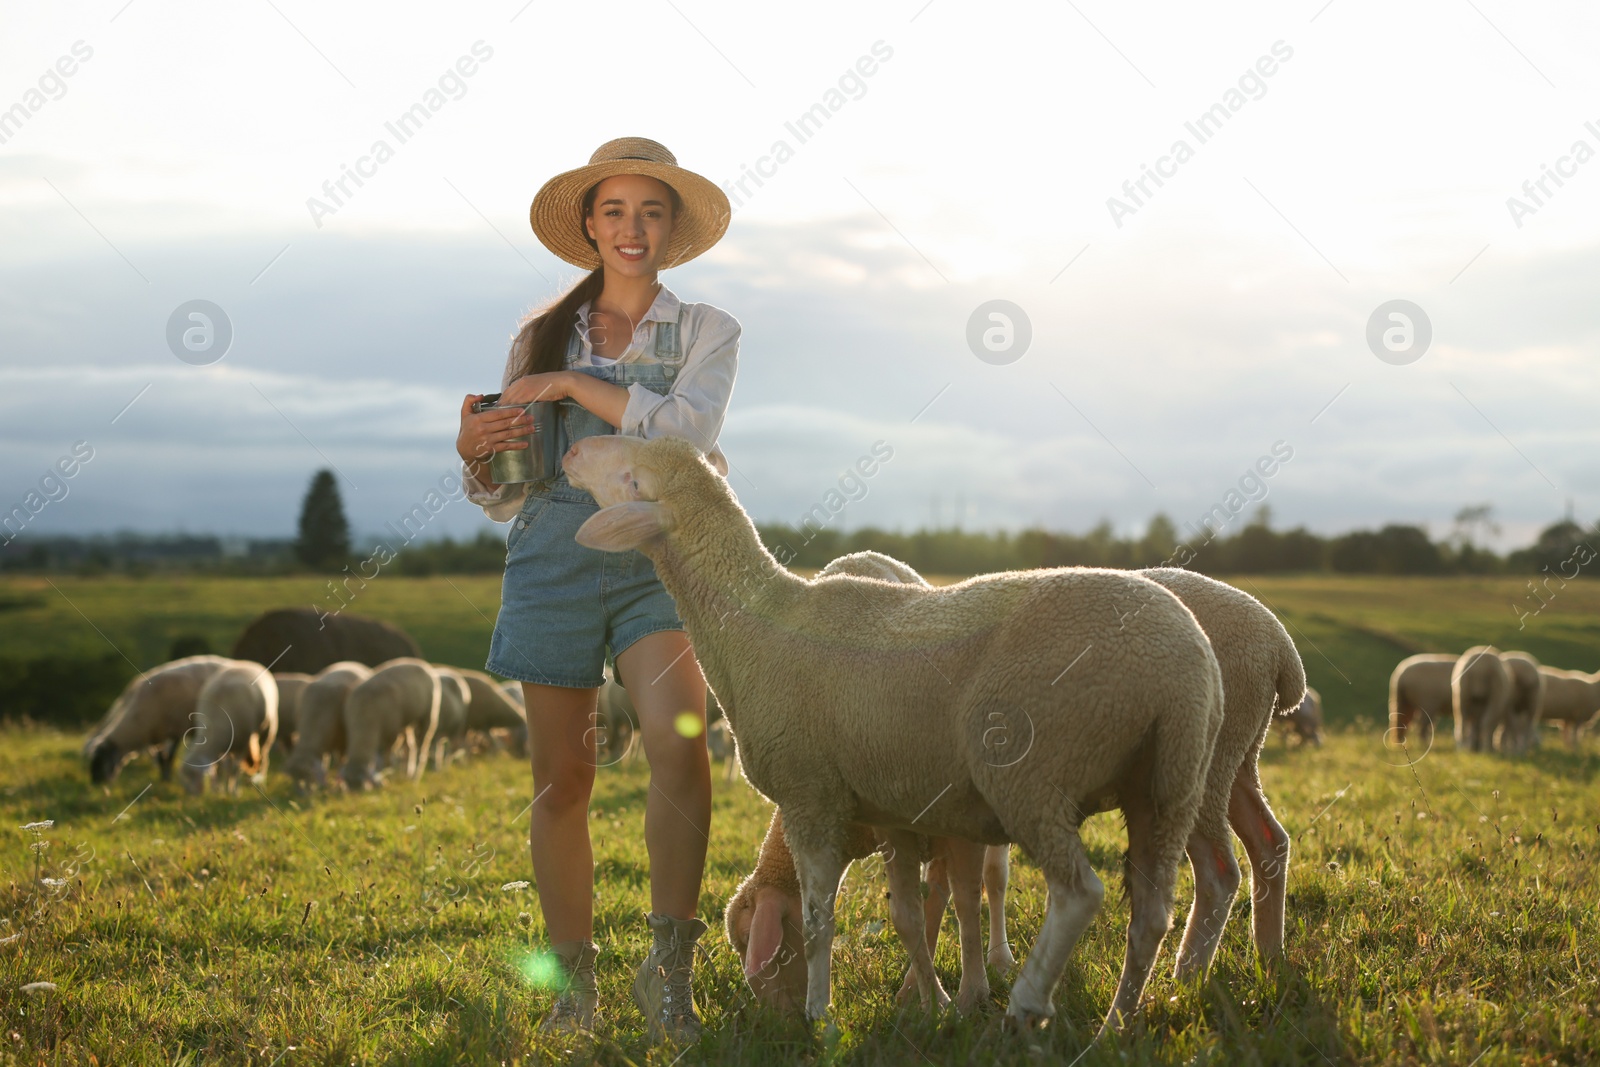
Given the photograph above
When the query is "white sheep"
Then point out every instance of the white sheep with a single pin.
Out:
(1571, 698)
(1419, 694)
(1479, 692)
(291, 686)
(153, 711)
(1304, 721)
(495, 706)
(722, 746)
(400, 702)
(236, 721)
(858, 700)
(519, 733)
(1261, 674)
(321, 720)
(454, 700)
(618, 723)
(763, 915)
(1521, 731)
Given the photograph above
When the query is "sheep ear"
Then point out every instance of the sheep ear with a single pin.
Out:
(624, 526)
(718, 461)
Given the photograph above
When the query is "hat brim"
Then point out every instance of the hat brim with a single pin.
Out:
(556, 214)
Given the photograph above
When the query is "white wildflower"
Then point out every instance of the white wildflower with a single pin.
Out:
(39, 987)
(515, 885)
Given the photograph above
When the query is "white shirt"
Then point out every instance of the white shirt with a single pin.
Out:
(694, 408)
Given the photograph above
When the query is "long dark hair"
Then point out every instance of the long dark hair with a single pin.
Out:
(542, 337)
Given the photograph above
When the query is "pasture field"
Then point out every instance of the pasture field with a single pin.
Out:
(1351, 629)
(1442, 904)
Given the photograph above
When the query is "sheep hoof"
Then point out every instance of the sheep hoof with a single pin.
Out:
(1027, 1027)
(967, 1005)
(1002, 960)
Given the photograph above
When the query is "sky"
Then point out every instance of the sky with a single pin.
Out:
(1303, 167)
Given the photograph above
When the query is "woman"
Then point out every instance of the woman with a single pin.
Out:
(621, 354)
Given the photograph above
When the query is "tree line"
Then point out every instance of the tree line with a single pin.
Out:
(324, 545)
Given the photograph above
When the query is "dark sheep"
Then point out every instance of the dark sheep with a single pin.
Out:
(306, 640)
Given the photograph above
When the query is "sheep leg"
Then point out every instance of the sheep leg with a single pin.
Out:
(932, 915)
(1075, 895)
(1266, 842)
(902, 868)
(1216, 884)
(820, 868)
(966, 891)
(996, 876)
(1150, 875)
(363, 746)
(415, 759)
(165, 754)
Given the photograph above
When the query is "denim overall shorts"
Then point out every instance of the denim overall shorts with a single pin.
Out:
(562, 605)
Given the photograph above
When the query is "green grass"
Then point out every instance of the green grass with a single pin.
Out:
(1433, 917)
(1438, 913)
(451, 616)
(1351, 629)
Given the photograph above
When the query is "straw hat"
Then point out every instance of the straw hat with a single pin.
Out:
(557, 211)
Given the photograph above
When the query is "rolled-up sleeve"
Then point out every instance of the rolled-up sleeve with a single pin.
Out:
(698, 401)
(503, 502)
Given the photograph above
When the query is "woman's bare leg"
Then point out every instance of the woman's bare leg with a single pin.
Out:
(561, 735)
(663, 678)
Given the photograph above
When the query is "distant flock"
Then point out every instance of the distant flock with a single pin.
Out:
(367, 705)
(1497, 699)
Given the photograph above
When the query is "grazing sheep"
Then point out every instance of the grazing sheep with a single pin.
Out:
(1261, 672)
(154, 709)
(859, 700)
(236, 716)
(616, 721)
(1479, 692)
(1419, 693)
(321, 715)
(519, 733)
(1521, 731)
(399, 702)
(721, 744)
(619, 721)
(495, 706)
(1305, 721)
(1571, 698)
(454, 700)
(306, 640)
(291, 685)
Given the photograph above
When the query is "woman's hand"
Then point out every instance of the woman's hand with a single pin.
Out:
(554, 385)
(485, 433)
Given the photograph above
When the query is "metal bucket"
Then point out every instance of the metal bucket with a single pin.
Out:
(541, 460)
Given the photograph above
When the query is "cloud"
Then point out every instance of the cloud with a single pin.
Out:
(357, 352)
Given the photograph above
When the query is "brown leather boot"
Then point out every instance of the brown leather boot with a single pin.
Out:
(577, 995)
(661, 988)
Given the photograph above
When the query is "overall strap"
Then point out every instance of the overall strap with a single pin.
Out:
(667, 349)
(574, 346)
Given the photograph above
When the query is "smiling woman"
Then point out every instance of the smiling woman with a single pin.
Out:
(618, 353)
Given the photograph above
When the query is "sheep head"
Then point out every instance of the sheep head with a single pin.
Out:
(639, 485)
(764, 928)
(104, 763)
